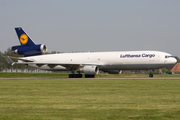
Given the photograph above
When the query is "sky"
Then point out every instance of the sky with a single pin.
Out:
(93, 25)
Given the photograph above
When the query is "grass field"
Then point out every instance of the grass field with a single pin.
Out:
(65, 75)
(88, 99)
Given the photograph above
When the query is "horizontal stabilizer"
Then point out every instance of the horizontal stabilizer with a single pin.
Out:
(16, 58)
(9, 60)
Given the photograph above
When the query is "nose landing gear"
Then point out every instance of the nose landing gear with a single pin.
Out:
(151, 75)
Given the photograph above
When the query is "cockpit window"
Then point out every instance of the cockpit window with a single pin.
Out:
(167, 56)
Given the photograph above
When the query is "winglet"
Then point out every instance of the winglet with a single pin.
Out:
(9, 60)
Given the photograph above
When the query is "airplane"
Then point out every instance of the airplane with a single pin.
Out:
(89, 63)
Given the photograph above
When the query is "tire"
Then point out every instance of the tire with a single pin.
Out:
(89, 76)
(80, 75)
(75, 75)
(71, 76)
(151, 75)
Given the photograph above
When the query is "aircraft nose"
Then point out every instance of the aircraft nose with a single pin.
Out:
(173, 60)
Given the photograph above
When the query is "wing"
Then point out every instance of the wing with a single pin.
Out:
(50, 64)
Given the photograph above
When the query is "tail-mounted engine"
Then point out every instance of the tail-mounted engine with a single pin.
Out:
(30, 50)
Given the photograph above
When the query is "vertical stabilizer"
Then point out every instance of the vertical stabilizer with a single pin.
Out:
(27, 47)
(24, 39)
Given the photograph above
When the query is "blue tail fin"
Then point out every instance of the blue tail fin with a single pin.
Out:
(24, 39)
(27, 47)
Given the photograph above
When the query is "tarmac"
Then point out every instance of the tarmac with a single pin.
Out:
(89, 78)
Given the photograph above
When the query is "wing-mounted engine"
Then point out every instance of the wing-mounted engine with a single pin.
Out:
(29, 50)
(90, 71)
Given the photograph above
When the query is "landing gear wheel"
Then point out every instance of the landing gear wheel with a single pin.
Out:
(89, 76)
(75, 75)
(71, 75)
(79, 75)
(151, 75)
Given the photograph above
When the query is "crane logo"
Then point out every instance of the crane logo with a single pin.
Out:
(23, 39)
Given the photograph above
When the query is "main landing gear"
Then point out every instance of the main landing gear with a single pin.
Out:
(80, 76)
(75, 75)
(89, 76)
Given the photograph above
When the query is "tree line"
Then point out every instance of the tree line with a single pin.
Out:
(5, 67)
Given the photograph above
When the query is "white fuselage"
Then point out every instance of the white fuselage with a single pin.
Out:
(121, 60)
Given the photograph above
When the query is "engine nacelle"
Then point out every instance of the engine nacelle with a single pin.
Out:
(90, 70)
(30, 51)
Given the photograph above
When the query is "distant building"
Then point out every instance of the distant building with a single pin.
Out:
(176, 68)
